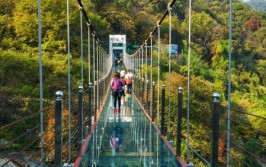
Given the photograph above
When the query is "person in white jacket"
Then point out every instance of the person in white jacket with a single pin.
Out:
(128, 81)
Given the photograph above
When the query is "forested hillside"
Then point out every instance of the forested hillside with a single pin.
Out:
(259, 5)
(19, 79)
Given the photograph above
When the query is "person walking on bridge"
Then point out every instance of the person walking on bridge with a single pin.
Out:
(117, 91)
(122, 74)
(128, 80)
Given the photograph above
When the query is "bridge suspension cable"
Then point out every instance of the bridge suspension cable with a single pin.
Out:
(229, 84)
(68, 84)
(169, 8)
(151, 80)
(40, 78)
(81, 47)
(158, 78)
(188, 77)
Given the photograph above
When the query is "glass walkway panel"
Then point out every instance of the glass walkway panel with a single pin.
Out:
(126, 138)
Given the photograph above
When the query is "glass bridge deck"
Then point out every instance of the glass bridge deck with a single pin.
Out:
(126, 139)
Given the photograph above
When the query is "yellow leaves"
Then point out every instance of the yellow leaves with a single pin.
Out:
(218, 86)
(201, 88)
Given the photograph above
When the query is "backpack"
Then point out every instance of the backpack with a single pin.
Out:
(116, 84)
(129, 80)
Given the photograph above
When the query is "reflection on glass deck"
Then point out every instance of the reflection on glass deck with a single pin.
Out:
(126, 139)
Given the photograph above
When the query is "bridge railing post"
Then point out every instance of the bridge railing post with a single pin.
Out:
(179, 121)
(90, 106)
(163, 130)
(80, 116)
(215, 129)
(58, 129)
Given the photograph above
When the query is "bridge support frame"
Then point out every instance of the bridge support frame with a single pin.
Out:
(163, 130)
(80, 116)
(58, 128)
(179, 121)
(215, 130)
(90, 106)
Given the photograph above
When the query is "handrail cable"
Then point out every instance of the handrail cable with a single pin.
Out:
(204, 144)
(250, 114)
(29, 145)
(238, 159)
(246, 138)
(260, 131)
(72, 138)
(23, 134)
(34, 155)
(204, 160)
(18, 121)
(209, 130)
(49, 153)
(198, 155)
(248, 152)
(12, 141)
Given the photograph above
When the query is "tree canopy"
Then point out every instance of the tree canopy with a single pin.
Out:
(19, 80)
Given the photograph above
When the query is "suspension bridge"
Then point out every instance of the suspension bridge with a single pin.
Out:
(87, 131)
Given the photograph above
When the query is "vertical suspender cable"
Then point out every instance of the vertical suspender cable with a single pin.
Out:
(151, 93)
(69, 88)
(169, 77)
(146, 60)
(40, 78)
(142, 62)
(229, 89)
(81, 46)
(146, 73)
(158, 96)
(93, 72)
(101, 60)
(97, 65)
(188, 81)
(159, 54)
(89, 54)
(81, 61)
(139, 64)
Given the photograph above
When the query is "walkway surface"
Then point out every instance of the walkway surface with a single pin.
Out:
(126, 139)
